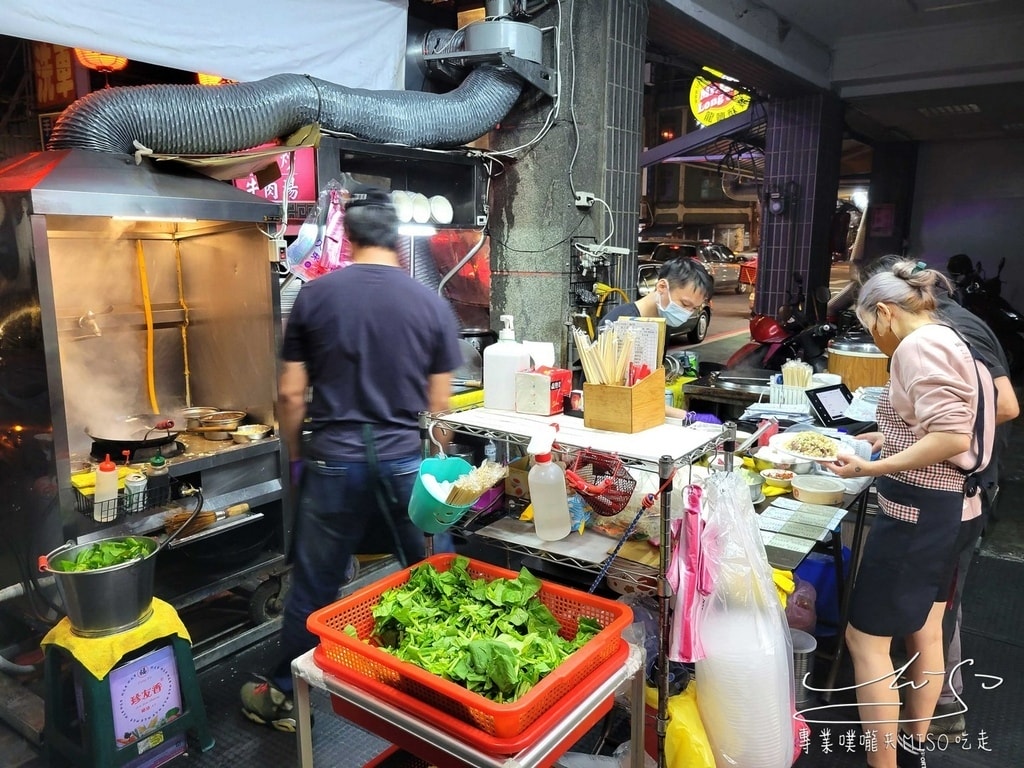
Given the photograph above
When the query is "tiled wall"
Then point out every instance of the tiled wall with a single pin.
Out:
(803, 145)
(623, 123)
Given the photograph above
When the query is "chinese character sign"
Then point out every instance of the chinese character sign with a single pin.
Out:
(54, 72)
(301, 190)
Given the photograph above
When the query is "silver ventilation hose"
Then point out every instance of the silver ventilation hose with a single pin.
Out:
(198, 119)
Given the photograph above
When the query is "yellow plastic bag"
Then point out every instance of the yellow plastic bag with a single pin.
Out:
(686, 743)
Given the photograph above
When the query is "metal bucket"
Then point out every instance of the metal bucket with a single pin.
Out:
(104, 601)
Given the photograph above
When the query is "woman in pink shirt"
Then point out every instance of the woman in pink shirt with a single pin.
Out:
(936, 417)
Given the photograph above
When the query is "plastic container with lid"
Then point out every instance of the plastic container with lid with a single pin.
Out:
(158, 481)
(104, 502)
(502, 360)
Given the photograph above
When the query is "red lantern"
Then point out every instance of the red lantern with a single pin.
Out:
(204, 79)
(100, 62)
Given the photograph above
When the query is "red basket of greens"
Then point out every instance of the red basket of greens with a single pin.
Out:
(486, 645)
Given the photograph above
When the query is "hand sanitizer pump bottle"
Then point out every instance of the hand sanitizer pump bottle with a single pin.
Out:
(501, 362)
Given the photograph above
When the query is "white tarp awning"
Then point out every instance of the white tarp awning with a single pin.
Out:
(355, 43)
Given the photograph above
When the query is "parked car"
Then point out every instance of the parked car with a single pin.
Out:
(693, 330)
(717, 259)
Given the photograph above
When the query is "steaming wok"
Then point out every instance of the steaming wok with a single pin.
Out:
(138, 431)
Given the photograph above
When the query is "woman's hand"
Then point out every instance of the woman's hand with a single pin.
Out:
(849, 465)
(877, 440)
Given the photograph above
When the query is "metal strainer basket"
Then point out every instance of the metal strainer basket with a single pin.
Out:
(602, 480)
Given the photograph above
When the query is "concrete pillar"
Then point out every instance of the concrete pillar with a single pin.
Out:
(593, 145)
(801, 178)
(890, 199)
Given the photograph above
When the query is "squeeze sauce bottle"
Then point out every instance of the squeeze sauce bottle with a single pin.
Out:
(548, 496)
(104, 503)
(501, 362)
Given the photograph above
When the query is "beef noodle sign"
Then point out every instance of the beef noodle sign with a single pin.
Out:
(712, 100)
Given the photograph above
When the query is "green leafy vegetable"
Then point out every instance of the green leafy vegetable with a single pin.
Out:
(104, 554)
(496, 637)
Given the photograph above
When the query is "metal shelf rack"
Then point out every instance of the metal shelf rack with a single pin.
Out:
(513, 428)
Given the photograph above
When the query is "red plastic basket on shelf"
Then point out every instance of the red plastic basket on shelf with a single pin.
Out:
(469, 734)
(503, 721)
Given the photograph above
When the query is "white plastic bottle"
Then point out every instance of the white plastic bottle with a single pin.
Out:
(104, 502)
(501, 362)
(551, 517)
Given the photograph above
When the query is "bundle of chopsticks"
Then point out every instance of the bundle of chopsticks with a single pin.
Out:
(470, 487)
(796, 373)
(606, 360)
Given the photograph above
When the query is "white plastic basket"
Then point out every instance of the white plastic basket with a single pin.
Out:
(785, 395)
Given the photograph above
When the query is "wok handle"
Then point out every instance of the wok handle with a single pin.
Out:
(166, 424)
(44, 564)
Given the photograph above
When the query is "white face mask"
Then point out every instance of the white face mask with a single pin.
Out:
(674, 314)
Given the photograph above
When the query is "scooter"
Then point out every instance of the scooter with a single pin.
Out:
(983, 296)
(791, 335)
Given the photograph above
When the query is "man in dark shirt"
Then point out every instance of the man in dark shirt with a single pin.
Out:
(376, 348)
(949, 712)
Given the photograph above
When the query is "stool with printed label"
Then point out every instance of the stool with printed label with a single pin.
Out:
(128, 699)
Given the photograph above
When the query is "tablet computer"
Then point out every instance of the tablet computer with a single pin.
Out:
(829, 404)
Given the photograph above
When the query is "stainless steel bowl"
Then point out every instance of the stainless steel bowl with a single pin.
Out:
(220, 425)
(193, 415)
(250, 433)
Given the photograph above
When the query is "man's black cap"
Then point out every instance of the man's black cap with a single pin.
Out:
(369, 196)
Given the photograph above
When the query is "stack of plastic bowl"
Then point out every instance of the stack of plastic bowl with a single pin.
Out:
(746, 689)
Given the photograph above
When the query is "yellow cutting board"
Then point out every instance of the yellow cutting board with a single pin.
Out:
(640, 552)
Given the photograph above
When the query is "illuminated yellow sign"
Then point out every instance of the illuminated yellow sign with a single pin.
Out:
(712, 100)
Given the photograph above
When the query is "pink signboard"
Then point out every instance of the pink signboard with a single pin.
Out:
(302, 191)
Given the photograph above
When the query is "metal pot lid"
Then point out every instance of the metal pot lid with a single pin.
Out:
(754, 381)
(855, 341)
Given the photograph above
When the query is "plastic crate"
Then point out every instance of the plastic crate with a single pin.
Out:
(469, 734)
(500, 720)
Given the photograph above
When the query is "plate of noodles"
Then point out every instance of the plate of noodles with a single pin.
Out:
(807, 445)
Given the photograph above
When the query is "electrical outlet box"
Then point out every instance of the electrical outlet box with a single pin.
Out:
(584, 199)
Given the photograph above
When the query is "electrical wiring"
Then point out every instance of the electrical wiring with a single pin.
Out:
(572, 96)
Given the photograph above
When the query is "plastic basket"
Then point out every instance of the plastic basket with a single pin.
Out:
(606, 483)
(500, 720)
(469, 734)
(429, 513)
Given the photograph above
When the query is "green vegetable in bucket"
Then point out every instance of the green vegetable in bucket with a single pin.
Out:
(104, 554)
(496, 637)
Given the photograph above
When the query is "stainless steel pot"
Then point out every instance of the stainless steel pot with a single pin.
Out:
(104, 601)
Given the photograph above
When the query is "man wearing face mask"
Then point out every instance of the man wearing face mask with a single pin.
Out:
(682, 288)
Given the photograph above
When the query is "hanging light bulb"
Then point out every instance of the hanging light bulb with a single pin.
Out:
(204, 79)
(100, 62)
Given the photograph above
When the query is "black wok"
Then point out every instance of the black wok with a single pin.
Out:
(140, 431)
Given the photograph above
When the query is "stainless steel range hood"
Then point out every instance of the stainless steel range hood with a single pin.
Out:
(88, 183)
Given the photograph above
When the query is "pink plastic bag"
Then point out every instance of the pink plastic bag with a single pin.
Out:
(684, 562)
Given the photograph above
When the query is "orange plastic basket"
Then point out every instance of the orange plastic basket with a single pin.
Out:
(503, 721)
(470, 734)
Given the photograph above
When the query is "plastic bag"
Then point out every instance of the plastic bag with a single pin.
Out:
(745, 666)
(800, 610)
(682, 576)
(686, 741)
(321, 246)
